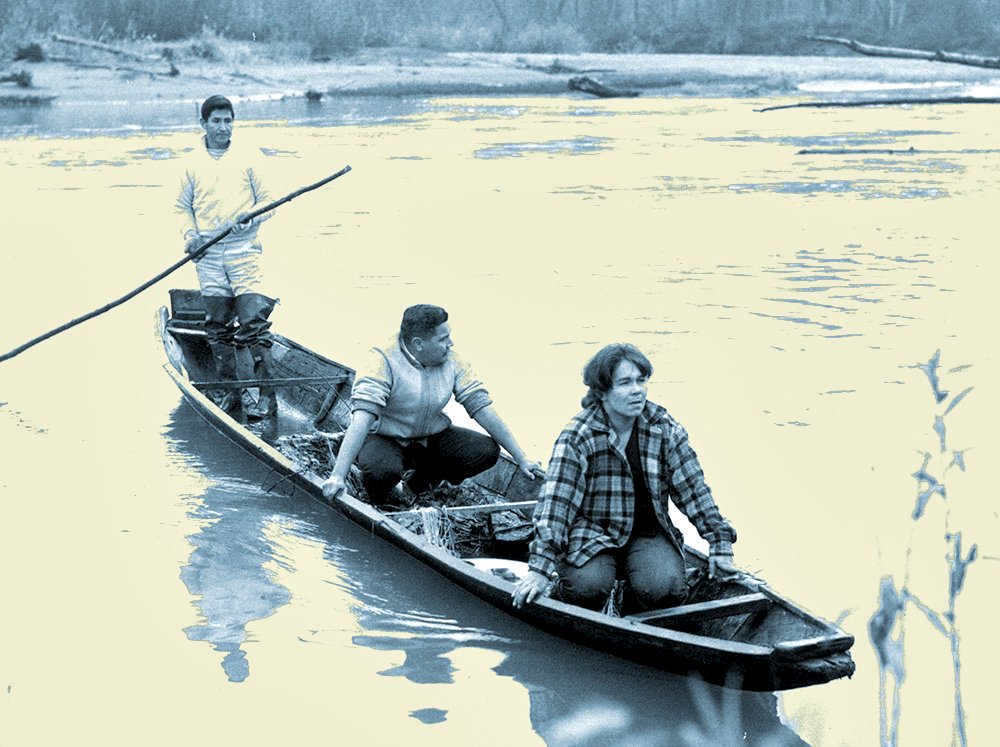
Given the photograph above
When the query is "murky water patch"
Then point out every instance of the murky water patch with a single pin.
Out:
(587, 112)
(909, 163)
(829, 295)
(576, 146)
(806, 275)
(865, 188)
(81, 164)
(278, 152)
(799, 320)
(932, 165)
(430, 715)
(803, 302)
(840, 140)
(152, 153)
(89, 119)
(476, 112)
(719, 364)
(672, 183)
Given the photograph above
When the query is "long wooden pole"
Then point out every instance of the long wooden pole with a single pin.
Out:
(175, 266)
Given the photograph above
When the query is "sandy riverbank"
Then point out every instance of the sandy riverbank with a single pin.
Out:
(76, 74)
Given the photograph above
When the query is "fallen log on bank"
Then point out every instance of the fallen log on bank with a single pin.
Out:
(31, 53)
(939, 55)
(882, 102)
(22, 78)
(24, 99)
(587, 84)
(73, 41)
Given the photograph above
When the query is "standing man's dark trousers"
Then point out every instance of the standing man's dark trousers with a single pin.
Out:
(454, 454)
(252, 311)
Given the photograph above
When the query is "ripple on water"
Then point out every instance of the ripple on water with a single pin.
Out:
(853, 139)
(82, 164)
(429, 715)
(473, 113)
(867, 188)
(573, 147)
(828, 306)
(152, 154)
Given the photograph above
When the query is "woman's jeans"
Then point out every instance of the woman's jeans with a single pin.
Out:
(653, 567)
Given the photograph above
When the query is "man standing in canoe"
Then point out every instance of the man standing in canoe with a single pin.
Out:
(221, 184)
(397, 419)
(602, 511)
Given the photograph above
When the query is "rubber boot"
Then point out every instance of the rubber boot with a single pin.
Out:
(253, 311)
(225, 369)
(268, 402)
(250, 397)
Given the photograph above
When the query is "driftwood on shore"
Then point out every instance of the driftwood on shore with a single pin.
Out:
(558, 67)
(30, 53)
(882, 102)
(594, 87)
(24, 99)
(21, 78)
(871, 50)
(73, 41)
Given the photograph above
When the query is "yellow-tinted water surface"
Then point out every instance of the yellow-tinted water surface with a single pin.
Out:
(154, 593)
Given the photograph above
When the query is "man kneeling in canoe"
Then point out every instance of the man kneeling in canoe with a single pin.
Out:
(220, 186)
(397, 419)
(602, 511)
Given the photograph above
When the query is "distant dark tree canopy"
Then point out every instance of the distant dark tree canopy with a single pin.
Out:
(329, 27)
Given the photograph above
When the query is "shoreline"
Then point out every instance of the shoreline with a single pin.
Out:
(98, 77)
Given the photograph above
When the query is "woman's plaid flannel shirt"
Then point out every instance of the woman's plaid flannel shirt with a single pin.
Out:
(587, 503)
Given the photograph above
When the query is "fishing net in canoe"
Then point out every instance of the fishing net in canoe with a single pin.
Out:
(467, 534)
(316, 453)
(498, 534)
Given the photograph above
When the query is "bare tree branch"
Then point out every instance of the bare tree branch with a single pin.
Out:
(911, 54)
(882, 102)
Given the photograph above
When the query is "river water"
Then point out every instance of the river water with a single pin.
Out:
(160, 587)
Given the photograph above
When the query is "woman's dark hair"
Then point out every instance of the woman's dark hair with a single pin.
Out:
(215, 102)
(599, 372)
(421, 321)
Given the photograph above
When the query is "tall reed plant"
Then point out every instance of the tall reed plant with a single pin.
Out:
(886, 628)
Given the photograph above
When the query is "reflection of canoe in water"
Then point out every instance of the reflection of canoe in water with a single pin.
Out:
(735, 632)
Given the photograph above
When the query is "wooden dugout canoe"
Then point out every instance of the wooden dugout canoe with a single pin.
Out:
(737, 633)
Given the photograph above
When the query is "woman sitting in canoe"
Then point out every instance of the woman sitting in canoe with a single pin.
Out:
(602, 511)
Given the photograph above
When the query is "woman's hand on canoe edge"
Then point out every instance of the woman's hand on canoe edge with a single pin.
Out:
(529, 588)
(333, 486)
(721, 567)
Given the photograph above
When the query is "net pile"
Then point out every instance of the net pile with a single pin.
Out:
(498, 534)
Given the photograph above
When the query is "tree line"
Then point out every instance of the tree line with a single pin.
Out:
(331, 27)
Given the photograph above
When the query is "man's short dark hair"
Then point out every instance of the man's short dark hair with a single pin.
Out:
(421, 321)
(212, 103)
(599, 372)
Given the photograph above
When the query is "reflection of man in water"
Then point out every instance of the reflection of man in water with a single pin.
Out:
(221, 185)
